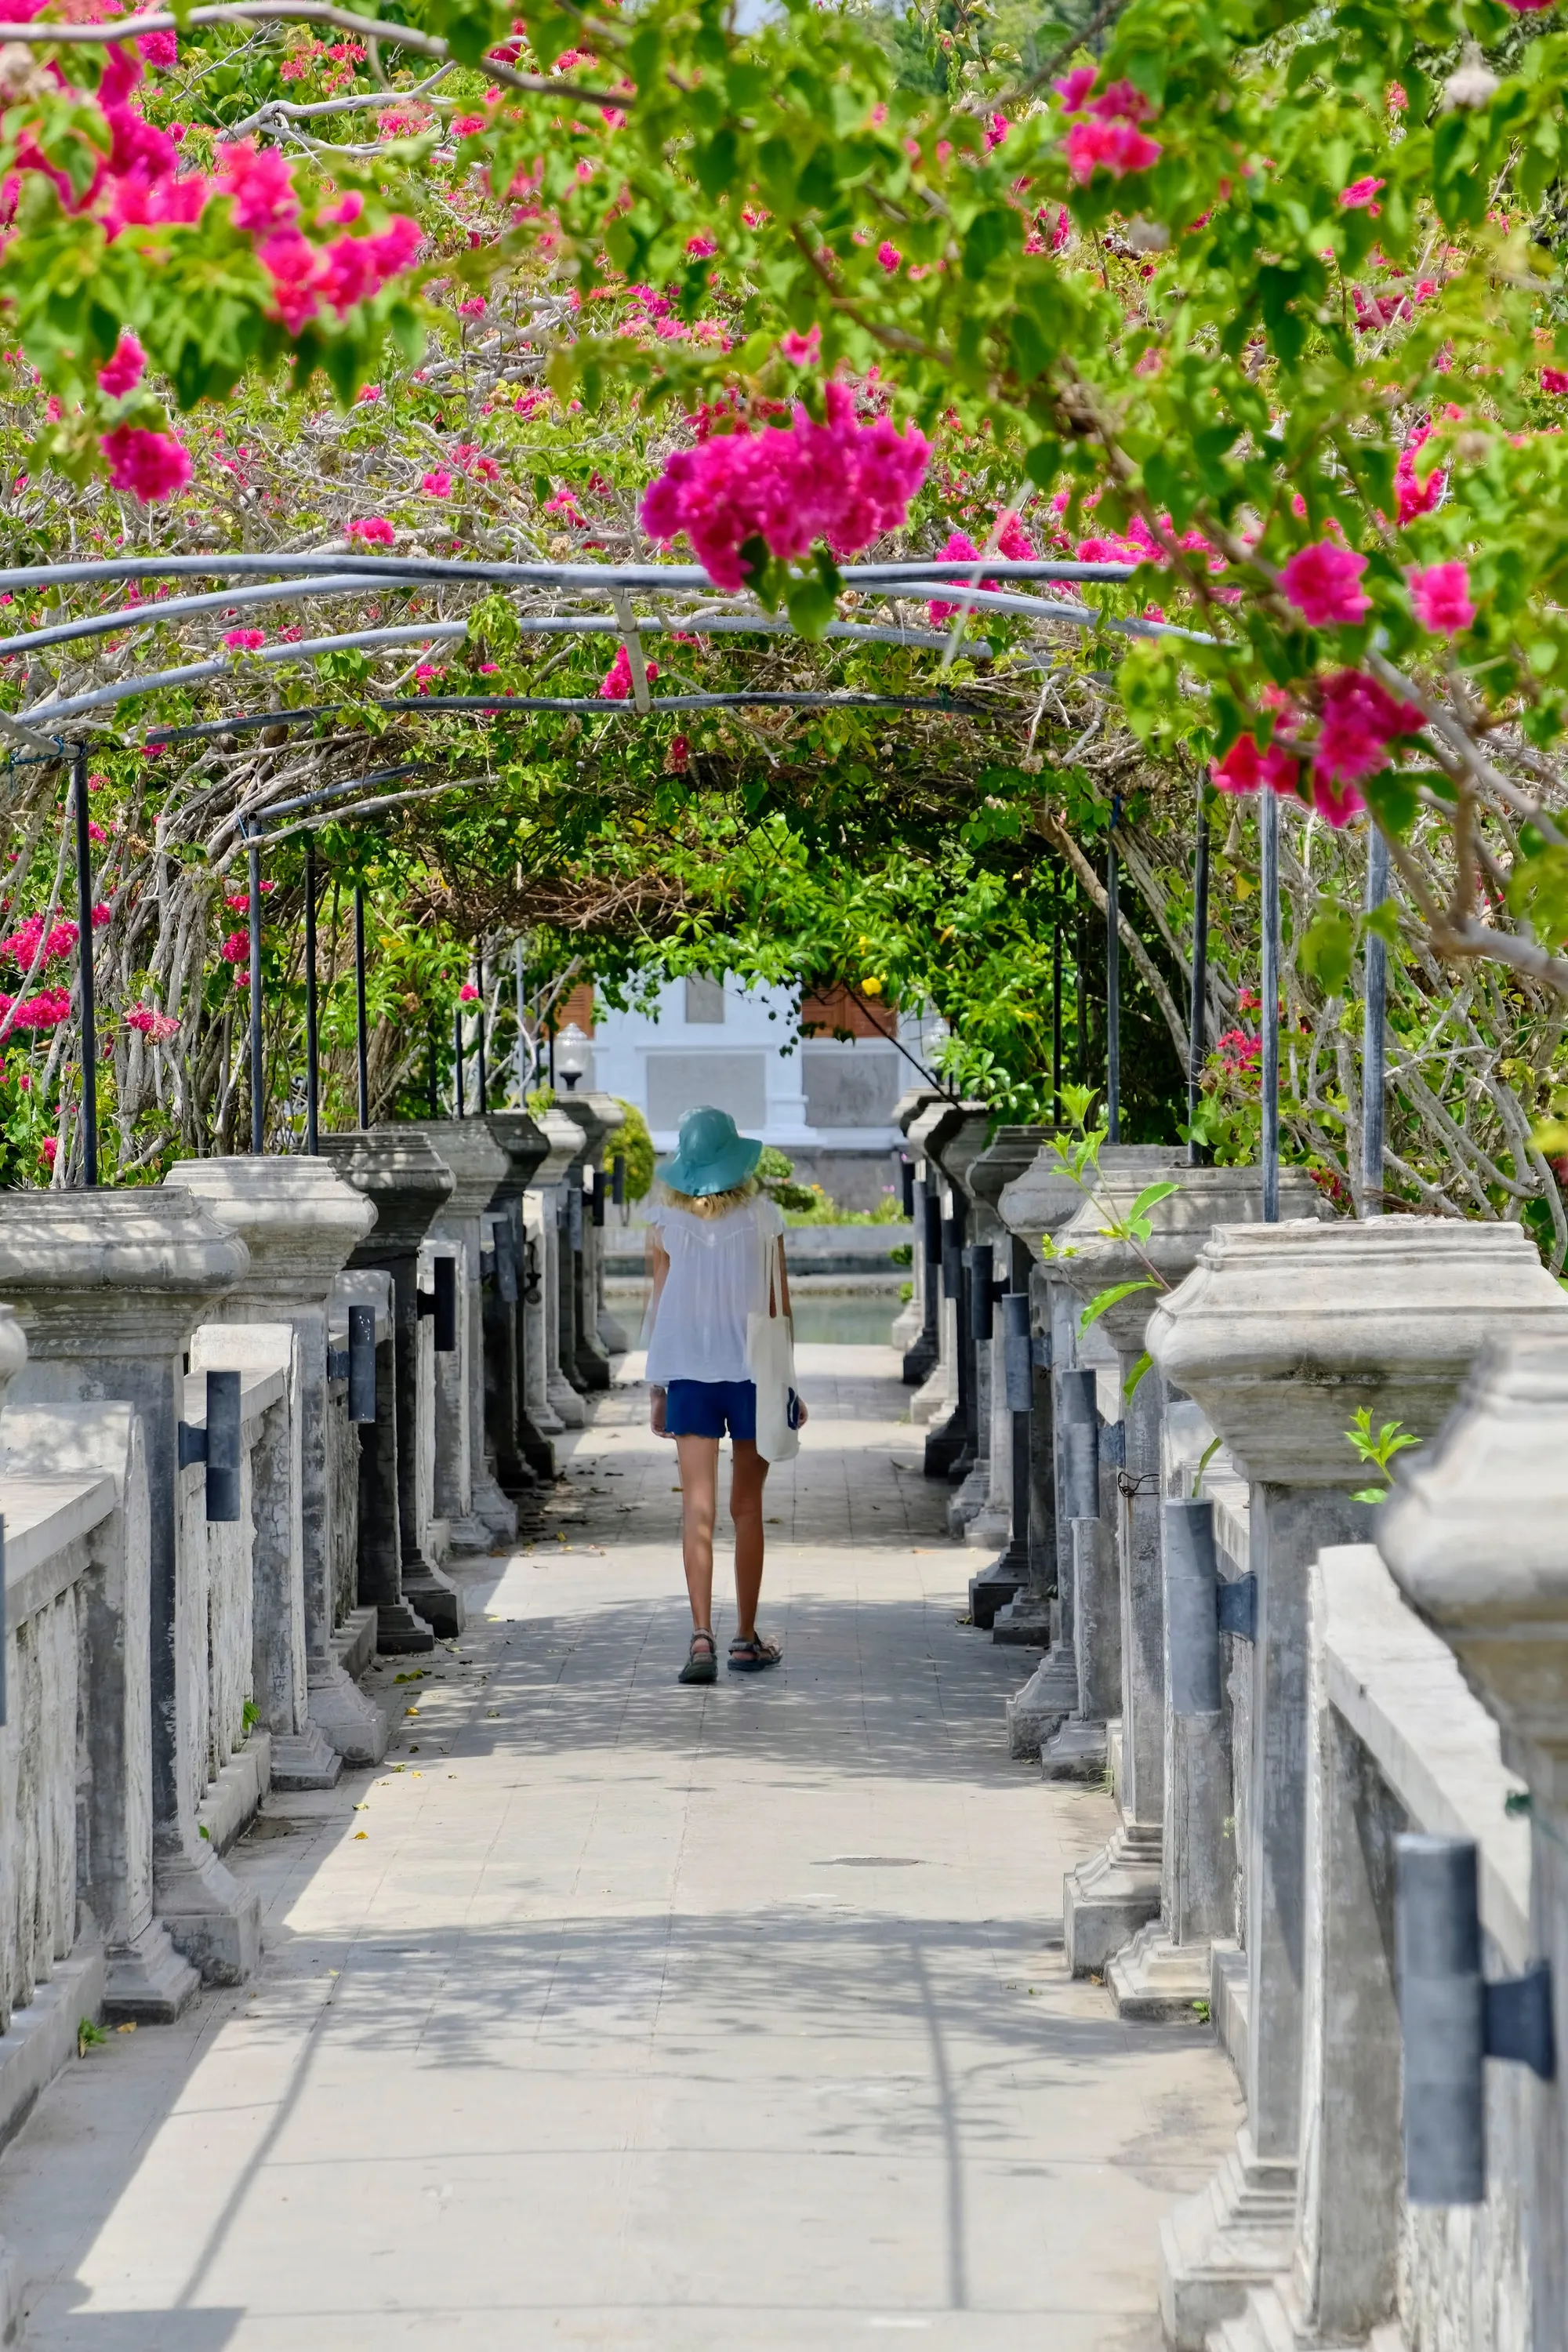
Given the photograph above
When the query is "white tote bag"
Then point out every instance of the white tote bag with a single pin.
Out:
(770, 1352)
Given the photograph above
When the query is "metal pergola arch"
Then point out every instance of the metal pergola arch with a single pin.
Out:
(337, 570)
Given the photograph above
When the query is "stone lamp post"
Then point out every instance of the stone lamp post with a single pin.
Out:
(1034, 1206)
(399, 1173)
(509, 1443)
(467, 1494)
(108, 1288)
(300, 1222)
(1279, 1334)
(1107, 1900)
(1474, 1534)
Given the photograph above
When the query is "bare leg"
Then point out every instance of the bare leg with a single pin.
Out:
(747, 1474)
(698, 1459)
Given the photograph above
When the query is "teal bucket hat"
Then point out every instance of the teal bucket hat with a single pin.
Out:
(711, 1156)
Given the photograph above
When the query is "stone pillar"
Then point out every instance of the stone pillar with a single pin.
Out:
(108, 1288)
(1474, 1534)
(937, 1392)
(557, 1312)
(954, 1135)
(994, 1596)
(300, 1222)
(1279, 1334)
(477, 1513)
(1125, 1889)
(911, 1334)
(510, 1445)
(1035, 1205)
(399, 1172)
(599, 1336)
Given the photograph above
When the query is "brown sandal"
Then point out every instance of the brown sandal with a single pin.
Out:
(701, 1667)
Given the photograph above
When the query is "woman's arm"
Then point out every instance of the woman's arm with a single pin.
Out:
(658, 1257)
(784, 1308)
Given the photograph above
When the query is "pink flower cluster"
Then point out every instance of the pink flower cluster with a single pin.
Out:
(1323, 583)
(1414, 496)
(840, 481)
(236, 948)
(159, 1026)
(350, 270)
(45, 1010)
(245, 641)
(616, 684)
(1357, 722)
(1441, 595)
(123, 372)
(373, 529)
(1012, 542)
(152, 467)
(23, 944)
(1359, 196)
(1110, 136)
(1238, 1053)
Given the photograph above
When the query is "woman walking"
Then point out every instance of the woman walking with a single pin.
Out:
(718, 1259)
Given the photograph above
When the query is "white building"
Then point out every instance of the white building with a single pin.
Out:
(826, 1102)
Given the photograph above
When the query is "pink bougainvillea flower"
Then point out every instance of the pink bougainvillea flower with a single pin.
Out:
(677, 757)
(701, 248)
(347, 208)
(152, 467)
(474, 308)
(1073, 87)
(369, 393)
(802, 351)
(1554, 380)
(1322, 583)
(236, 948)
(159, 1026)
(1441, 595)
(374, 530)
(996, 130)
(1123, 103)
(436, 484)
(1360, 194)
(122, 373)
(1116, 145)
(242, 977)
(260, 182)
(1359, 723)
(1246, 769)
(840, 481)
(1011, 539)
(246, 641)
(616, 683)
(289, 261)
(891, 259)
(468, 993)
(158, 50)
(464, 125)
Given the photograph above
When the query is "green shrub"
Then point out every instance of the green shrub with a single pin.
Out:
(636, 1145)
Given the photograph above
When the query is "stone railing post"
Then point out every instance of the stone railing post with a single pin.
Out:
(478, 1515)
(555, 1401)
(1106, 1901)
(108, 1288)
(300, 1222)
(911, 1334)
(1279, 1334)
(1475, 1537)
(953, 1135)
(599, 1336)
(937, 1393)
(1033, 1206)
(509, 1443)
(399, 1172)
(1005, 1596)
(584, 1355)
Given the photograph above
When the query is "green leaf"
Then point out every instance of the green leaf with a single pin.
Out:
(1107, 1298)
(1144, 1363)
(1326, 946)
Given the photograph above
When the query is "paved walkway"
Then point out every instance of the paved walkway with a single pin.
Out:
(616, 2015)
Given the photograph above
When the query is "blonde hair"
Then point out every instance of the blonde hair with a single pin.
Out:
(713, 1205)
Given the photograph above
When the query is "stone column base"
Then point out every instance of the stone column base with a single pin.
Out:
(1271, 2321)
(1105, 1901)
(1158, 1980)
(1043, 1705)
(613, 1334)
(1081, 1750)
(1237, 2233)
(494, 1508)
(469, 1537)
(570, 1409)
(934, 1398)
(400, 1633)
(355, 1727)
(146, 1982)
(305, 1759)
(548, 1423)
(210, 1918)
(435, 1597)
(991, 1589)
(972, 1498)
(991, 1524)
(1024, 1623)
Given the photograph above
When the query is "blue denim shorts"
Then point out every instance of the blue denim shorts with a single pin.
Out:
(709, 1408)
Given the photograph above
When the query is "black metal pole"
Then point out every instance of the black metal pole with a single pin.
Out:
(457, 1058)
(434, 1079)
(484, 1083)
(1113, 983)
(253, 912)
(1057, 1021)
(1197, 1041)
(1374, 1014)
(88, 1006)
(313, 1011)
(1268, 826)
(362, 1039)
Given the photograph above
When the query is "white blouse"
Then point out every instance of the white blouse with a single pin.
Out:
(717, 1277)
